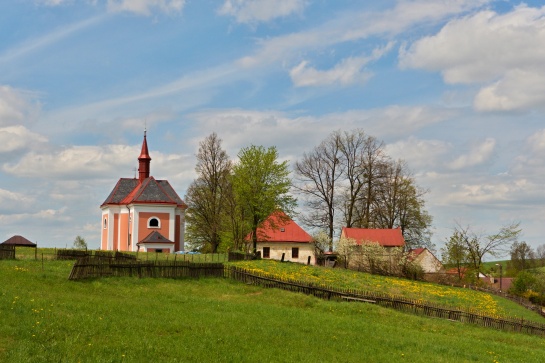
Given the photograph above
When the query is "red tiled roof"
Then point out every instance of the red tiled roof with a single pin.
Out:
(19, 241)
(278, 227)
(384, 237)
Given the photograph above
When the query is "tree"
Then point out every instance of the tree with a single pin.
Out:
(455, 253)
(399, 202)
(350, 173)
(540, 254)
(80, 243)
(261, 185)
(478, 246)
(317, 174)
(522, 256)
(205, 196)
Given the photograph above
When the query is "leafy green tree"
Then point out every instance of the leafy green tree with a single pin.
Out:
(522, 256)
(80, 243)
(261, 185)
(455, 253)
(206, 195)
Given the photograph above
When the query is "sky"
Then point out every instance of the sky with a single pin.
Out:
(456, 88)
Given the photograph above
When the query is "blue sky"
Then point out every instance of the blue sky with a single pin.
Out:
(455, 87)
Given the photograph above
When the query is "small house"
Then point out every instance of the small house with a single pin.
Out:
(279, 236)
(426, 259)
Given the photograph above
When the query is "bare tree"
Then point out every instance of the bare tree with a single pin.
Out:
(477, 246)
(317, 175)
(205, 196)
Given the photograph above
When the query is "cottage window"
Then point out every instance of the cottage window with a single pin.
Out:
(266, 252)
(154, 222)
(295, 252)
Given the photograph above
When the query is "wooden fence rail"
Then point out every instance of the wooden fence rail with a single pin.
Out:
(93, 267)
(7, 252)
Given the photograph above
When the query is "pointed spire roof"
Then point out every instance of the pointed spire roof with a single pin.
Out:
(144, 154)
(144, 161)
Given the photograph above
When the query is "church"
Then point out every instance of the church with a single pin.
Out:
(143, 214)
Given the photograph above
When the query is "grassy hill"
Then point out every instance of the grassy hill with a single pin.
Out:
(46, 318)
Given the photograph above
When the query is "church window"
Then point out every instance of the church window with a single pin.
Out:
(105, 223)
(154, 222)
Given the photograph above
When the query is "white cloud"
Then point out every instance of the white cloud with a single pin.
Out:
(14, 201)
(15, 106)
(478, 154)
(253, 11)
(53, 2)
(146, 7)
(17, 137)
(42, 41)
(78, 163)
(356, 25)
(348, 71)
(57, 215)
(239, 127)
(419, 154)
(503, 52)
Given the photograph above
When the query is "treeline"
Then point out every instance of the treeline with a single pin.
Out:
(346, 180)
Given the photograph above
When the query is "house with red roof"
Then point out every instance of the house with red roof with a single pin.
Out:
(384, 237)
(375, 250)
(426, 259)
(280, 236)
(143, 214)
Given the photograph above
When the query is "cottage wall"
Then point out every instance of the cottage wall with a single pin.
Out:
(278, 248)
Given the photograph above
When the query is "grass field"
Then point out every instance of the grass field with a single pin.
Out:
(46, 318)
(432, 293)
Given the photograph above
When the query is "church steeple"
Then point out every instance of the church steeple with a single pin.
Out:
(144, 161)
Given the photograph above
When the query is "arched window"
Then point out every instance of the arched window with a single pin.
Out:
(154, 222)
(105, 223)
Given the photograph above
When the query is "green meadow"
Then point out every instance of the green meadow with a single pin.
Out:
(46, 318)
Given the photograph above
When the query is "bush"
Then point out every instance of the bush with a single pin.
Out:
(522, 283)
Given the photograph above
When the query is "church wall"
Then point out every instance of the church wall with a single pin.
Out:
(123, 223)
(104, 240)
(177, 244)
(143, 229)
(115, 246)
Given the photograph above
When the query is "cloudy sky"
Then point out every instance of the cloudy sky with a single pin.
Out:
(454, 87)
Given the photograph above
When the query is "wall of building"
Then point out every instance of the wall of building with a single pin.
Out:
(278, 248)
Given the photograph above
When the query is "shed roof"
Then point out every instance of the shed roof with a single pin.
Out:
(384, 237)
(19, 241)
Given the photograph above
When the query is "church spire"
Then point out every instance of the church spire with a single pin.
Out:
(144, 161)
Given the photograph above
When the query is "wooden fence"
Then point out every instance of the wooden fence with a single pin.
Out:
(93, 267)
(7, 252)
(70, 254)
(395, 302)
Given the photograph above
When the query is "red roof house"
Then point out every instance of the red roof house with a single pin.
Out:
(384, 237)
(280, 235)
